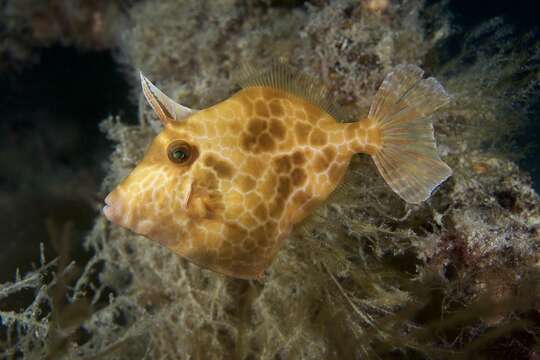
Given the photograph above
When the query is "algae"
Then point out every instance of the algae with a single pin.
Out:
(366, 276)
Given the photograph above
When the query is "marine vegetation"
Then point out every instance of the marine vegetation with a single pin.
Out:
(366, 275)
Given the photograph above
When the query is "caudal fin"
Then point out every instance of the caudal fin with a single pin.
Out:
(408, 158)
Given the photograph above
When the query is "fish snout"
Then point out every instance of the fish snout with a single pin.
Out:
(114, 208)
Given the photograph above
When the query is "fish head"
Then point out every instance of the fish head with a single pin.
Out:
(153, 200)
(189, 194)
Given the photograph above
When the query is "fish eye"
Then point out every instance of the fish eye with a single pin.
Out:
(181, 152)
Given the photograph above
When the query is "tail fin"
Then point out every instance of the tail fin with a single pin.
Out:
(408, 159)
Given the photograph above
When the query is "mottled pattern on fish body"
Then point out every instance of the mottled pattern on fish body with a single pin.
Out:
(256, 165)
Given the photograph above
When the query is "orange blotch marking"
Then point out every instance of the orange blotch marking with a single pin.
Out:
(253, 166)
(277, 208)
(252, 200)
(246, 183)
(320, 163)
(261, 212)
(249, 245)
(227, 250)
(277, 130)
(226, 185)
(234, 211)
(248, 142)
(284, 187)
(235, 126)
(206, 179)
(247, 107)
(234, 198)
(268, 187)
(266, 143)
(313, 113)
(235, 233)
(298, 177)
(302, 131)
(256, 126)
(261, 109)
(300, 114)
(275, 108)
(259, 235)
(361, 135)
(249, 221)
(213, 227)
(318, 137)
(282, 164)
(298, 158)
(350, 132)
(330, 153)
(271, 227)
(197, 208)
(222, 168)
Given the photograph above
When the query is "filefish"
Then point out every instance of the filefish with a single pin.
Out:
(224, 186)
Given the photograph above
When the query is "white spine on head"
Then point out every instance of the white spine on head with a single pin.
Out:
(166, 109)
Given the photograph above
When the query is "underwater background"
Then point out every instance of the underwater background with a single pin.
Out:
(367, 277)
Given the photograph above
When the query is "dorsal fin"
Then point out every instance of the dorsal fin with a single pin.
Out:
(166, 108)
(280, 75)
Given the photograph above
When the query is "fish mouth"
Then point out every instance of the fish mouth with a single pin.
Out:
(107, 208)
(112, 209)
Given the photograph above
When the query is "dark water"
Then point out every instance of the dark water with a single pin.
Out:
(471, 13)
(523, 18)
(51, 149)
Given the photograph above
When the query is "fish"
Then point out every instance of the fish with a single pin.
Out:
(224, 186)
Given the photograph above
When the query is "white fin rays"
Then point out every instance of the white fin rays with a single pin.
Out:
(408, 159)
(279, 75)
(166, 109)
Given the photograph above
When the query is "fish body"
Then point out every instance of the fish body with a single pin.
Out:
(224, 186)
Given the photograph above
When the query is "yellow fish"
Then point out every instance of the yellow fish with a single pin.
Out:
(224, 186)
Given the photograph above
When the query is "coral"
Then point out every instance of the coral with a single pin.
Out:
(365, 275)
